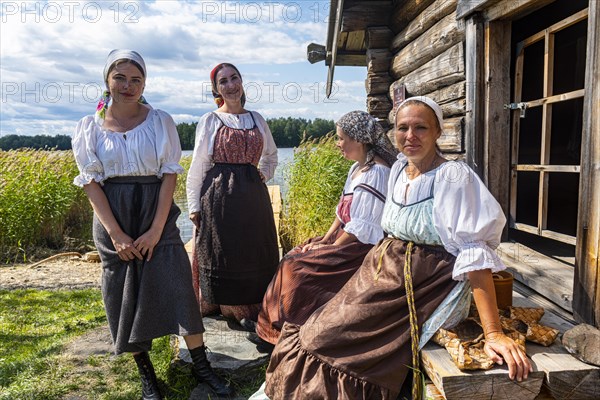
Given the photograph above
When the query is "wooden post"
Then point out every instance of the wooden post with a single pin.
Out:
(586, 286)
(474, 121)
(497, 119)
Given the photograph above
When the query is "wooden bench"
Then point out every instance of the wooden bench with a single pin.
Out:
(557, 374)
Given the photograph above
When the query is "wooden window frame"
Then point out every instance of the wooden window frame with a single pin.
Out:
(546, 102)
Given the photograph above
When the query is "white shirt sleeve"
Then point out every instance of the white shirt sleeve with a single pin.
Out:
(468, 219)
(206, 131)
(366, 209)
(84, 149)
(168, 145)
(268, 158)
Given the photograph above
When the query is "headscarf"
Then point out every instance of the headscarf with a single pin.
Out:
(114, 56)
(364, 128)
(437, 110)
(213, 80)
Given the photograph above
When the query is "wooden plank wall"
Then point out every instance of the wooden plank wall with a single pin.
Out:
(586, 291)
(428, 59)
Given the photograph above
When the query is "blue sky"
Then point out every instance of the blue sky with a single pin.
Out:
(52, 55)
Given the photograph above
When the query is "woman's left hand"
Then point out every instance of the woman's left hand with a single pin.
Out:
(145, 243)
(313, 246)
(500, 348)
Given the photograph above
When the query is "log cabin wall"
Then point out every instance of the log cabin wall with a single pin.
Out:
(428, 59)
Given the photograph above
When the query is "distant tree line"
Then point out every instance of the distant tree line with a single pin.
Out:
(58, 142)
(287, 132)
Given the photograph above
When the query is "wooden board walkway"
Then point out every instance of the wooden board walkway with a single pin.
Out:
(557, 374)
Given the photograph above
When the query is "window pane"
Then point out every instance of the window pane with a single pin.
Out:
(527, 197)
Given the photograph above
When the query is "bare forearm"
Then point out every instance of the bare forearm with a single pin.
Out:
(334, 226)
(344, 238)
(484, 294)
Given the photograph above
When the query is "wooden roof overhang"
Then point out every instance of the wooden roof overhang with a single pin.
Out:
(348, 22)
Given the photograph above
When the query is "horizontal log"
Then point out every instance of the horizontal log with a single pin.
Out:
(359, 15)
(379, 105)
(442, 71)
(378, 60)
(454, 107)
(451, 140)
(378, 83)
(350, 60)
(403, 14)
(449, 93)
(378, 37)
(422, 22)
(426, 47)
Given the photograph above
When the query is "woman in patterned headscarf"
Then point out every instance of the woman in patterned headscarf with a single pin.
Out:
(128, 158)
(310, 274)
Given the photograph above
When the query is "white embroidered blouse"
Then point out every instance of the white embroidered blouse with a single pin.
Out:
(202, 161)
(366, 209)
(466, 217)
(151, 148)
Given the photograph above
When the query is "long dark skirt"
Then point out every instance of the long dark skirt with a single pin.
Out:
(145, 299)
(358, 345)
(306, 281)
(236, 251)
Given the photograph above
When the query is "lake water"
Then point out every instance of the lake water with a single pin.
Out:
(285, 157)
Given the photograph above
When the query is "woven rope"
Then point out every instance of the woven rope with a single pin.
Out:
(414, 327)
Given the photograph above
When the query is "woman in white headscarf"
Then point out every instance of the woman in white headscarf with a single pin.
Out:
(443, 226)
(128, 157)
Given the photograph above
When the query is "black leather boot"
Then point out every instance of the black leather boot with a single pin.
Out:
(149, 384)
(203, 372)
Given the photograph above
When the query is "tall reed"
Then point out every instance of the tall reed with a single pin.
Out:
(316, 180)
(39, 205)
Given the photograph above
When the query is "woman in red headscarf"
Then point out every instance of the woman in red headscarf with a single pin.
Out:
(236, 252)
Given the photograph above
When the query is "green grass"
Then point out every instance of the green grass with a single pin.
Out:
(36, 325)
(40, 208)
(316, 180)
(39, 205)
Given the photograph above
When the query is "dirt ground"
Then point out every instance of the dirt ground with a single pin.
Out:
(60, 273)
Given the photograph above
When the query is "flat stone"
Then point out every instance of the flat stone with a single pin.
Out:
(583, 342)
(228, 348)
(95, 342)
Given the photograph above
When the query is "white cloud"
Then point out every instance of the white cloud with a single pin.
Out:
(52, 47)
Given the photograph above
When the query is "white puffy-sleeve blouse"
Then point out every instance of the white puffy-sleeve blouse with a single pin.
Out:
(202, 161)
(151, 148)
(467, 218)
(366, 209)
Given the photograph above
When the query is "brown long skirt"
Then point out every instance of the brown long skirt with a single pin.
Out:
(358, 345)
(306, 281)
